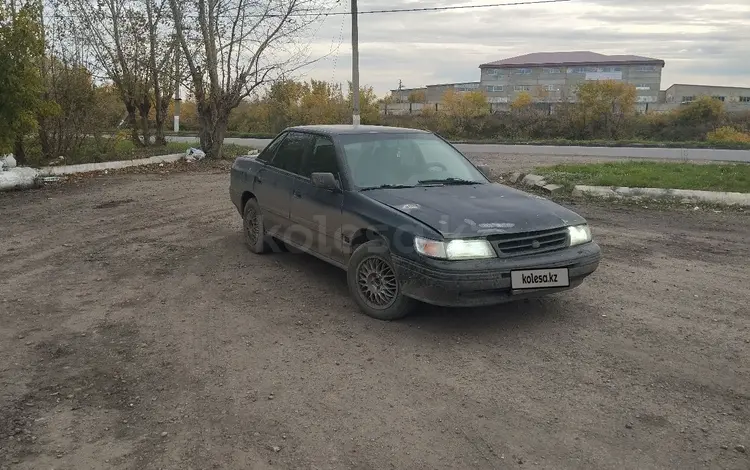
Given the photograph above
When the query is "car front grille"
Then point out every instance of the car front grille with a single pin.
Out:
(516, 244)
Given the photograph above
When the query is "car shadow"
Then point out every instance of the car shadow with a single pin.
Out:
(525, 313)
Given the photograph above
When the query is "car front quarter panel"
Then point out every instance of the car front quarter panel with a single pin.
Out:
(360, 213)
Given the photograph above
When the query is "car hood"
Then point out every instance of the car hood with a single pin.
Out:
(477, 210)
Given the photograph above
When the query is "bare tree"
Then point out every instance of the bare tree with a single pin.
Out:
(236, 47)
(162, 57)
(132, 44)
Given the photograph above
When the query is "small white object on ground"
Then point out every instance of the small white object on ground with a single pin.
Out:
(7, 162)
(194, 154)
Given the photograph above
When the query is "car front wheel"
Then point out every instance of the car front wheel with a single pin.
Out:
(373, 283)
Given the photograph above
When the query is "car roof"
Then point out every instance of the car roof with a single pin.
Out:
(342, 129)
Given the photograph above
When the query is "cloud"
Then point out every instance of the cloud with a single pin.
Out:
(703, 44)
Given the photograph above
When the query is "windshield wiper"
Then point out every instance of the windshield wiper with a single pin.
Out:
(387, 186)
(450, 181)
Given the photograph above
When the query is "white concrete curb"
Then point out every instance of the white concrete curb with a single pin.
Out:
(88, 167)
(686, 195)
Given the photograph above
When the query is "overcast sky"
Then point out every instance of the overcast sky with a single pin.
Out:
(701, 44)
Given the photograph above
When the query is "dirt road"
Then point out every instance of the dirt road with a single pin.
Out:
(137, 332)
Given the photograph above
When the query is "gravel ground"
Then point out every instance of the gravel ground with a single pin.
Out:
(138, 332)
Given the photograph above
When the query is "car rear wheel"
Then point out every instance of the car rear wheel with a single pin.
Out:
(374, 285)
(253, 229)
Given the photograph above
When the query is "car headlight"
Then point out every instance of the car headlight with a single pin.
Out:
(579, 234)
(454, 249)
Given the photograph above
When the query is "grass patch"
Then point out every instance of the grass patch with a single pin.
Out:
(708, 177)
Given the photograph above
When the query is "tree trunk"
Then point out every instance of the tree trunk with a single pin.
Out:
(145, 130)
(133, 124)
(18, 151)
(213, 128)
(144, 108)
(162, 108)
(44, 140)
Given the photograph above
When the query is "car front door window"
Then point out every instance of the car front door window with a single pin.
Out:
(291, 152)
(322, 159)
(267, 154)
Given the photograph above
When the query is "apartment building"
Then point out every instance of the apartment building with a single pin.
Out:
(555, 76)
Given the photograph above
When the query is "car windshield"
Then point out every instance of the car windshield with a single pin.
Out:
(403, 160)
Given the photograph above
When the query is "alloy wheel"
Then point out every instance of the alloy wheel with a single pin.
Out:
(377, 283)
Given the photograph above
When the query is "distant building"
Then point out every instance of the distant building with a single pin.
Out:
(683, 94)
(401, 95)
(554, 76)
(433, 93)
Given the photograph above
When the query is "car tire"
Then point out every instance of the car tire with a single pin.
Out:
(373, 283)
(253, 228)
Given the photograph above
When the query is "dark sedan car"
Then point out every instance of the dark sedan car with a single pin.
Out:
(409, 218)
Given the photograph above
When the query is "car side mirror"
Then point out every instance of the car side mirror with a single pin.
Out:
(485, 170)
(324, 181)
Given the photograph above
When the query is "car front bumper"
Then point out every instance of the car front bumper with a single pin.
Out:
(487, 282)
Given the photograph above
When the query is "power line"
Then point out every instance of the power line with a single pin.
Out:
(454, 7)
(312, 12)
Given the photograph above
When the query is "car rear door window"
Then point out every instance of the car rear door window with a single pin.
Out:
(291, 152)
(322, 159)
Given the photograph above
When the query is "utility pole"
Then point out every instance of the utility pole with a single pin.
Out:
(177, 98)
(355, 65)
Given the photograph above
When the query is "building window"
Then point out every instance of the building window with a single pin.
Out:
(577, 70)
(552, 70)
(613, 69)
(523, 71)
(688, 99)
(643, 86)
(646, 68)
(522, 88)
(494, 88)
(494, 73)
(720, 98)
(551, 88)
(466, 86)
(744, 99)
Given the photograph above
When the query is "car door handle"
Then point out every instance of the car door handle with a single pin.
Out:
(297, 194)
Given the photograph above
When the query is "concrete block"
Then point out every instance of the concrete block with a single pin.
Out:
(515, 177)
(598, 191)
(684, 195)
(553, 188)
(533, 180)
